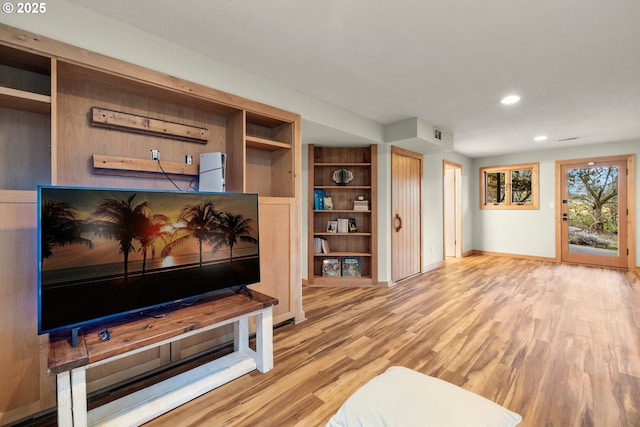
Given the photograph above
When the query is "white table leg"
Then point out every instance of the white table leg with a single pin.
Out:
(264, 340)
(65, 417)
(79, 396)
(241, 334)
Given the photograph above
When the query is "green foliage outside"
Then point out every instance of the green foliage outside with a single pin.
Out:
(593, 207)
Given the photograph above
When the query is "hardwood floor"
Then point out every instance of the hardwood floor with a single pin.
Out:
(559, 344)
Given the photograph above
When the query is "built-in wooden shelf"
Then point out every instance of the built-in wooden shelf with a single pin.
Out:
(362, 161)
(343, 187)
(327, 233)
(339, 282)
(136, 166)
(264, 144)
(343, 253)
(339, 165)
(341, 211)
(25, 101)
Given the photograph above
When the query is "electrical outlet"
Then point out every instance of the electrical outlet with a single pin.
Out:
(188, 159)
(155, 154)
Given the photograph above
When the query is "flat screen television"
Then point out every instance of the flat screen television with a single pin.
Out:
(113, 252)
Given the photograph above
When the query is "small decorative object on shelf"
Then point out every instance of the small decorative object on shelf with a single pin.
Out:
(331, 267)
(328, 203)
(342, 176)
(332, 226)
(351, 267)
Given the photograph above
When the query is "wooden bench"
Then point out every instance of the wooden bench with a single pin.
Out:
(138, 334)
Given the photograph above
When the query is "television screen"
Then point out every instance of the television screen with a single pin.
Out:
(110, 252)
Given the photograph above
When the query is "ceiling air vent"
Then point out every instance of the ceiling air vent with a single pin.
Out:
(437, 134)
(568, 139)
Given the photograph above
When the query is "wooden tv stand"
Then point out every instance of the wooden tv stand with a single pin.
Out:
(140, 334)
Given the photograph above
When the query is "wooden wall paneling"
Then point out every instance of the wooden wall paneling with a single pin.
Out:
(276, 217)
(79, 140)
(24, 148)
(53, 123)
(25, 386)
(235, 151)
(258, 172)
(282, 174)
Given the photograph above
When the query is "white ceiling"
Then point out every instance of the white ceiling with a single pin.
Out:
(575, 63)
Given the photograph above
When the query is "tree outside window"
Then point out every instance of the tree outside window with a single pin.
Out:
(509, 187)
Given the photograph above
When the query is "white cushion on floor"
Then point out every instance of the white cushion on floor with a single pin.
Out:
(401, 397)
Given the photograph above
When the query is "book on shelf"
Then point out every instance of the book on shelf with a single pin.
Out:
(360, 205)
(331, 267)
(320, 245)
(318, 199)
(346, 225)
(351, 267)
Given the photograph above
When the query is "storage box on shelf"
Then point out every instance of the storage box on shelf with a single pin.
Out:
(345, 175)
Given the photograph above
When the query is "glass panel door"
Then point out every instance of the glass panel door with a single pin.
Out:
(594, 213)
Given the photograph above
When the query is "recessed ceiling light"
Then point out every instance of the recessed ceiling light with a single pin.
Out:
(540, 138)
(511, 99)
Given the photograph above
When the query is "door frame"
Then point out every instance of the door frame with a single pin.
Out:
(631, 215)
(456, 215)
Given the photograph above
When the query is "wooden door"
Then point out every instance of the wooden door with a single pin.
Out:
(452, 209)
(593, 211)
(406, 213)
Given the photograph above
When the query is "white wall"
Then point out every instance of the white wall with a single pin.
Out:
(533, 232)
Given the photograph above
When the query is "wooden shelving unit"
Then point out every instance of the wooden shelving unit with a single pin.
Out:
(77, 118)
(361, 244)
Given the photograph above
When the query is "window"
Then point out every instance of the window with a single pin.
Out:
(509, 187)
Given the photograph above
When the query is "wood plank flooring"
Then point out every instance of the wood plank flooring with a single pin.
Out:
(559, 344)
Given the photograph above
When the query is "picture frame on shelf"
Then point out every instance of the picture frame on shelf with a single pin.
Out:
(332, 226)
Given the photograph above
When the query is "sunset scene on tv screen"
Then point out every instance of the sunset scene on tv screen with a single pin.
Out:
(87, 234)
